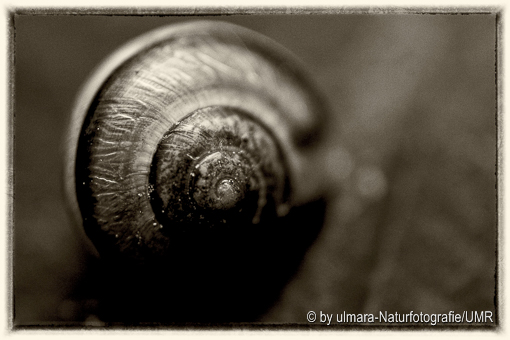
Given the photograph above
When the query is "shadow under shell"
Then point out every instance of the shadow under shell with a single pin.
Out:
(232, 275)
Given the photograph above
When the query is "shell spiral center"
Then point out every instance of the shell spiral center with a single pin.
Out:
(217, 167)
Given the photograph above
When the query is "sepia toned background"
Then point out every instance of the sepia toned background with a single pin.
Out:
(411, 220)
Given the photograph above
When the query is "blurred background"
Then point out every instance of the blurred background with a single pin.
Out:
(410, 144)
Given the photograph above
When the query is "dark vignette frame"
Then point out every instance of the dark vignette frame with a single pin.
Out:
(228, 11)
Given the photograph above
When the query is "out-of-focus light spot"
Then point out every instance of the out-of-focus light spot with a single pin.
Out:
(93, 320)
(371, 182)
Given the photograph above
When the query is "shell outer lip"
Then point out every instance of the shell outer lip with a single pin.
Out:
(101, 74)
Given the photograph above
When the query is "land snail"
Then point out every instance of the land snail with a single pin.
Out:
(189, 171)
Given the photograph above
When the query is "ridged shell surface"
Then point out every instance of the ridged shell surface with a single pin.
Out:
(199, 128)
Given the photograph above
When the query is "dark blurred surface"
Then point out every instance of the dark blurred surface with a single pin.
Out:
(411, 149)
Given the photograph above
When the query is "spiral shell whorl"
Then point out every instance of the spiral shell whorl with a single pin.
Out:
(126, 173)
(218, 159)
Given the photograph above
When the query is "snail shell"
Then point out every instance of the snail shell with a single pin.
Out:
(191, 129)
